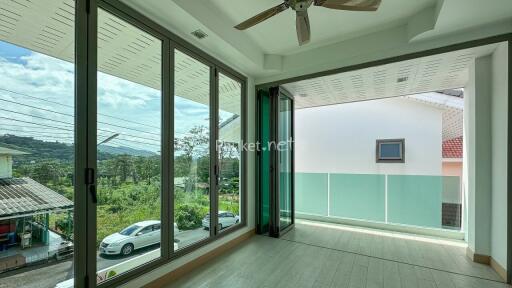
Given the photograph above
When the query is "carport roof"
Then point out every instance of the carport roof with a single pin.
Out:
(24, 196)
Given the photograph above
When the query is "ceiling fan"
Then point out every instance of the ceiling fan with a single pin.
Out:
(301, 9)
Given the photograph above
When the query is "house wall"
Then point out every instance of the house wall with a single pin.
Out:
(499, 114)
(342, 138)
(5, 166)
(452, 168)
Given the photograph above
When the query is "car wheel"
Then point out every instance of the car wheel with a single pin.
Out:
(236, 222)
(220, 226)
(127, 249)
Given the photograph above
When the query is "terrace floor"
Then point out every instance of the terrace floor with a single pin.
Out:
(318, 254)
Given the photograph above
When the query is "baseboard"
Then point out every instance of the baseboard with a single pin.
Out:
(199, 261)
(478, 258)
(499, 269)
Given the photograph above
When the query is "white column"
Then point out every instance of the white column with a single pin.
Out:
(477, 142)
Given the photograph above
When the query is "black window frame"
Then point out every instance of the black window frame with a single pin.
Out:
(380, 159)
(86, 101)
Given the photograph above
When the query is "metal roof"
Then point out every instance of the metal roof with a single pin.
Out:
(9, 151)
(24, 196)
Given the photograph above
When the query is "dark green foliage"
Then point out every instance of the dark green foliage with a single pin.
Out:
(189, 216)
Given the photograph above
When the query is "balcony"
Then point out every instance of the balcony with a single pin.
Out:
(424, 204)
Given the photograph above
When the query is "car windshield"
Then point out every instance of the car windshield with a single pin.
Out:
(129, 230)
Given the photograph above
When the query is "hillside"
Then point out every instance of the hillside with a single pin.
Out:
(43, 150)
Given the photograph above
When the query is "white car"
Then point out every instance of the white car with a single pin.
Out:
(226, 219)
(138, 235)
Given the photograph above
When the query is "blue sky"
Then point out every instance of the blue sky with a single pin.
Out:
(37, 99)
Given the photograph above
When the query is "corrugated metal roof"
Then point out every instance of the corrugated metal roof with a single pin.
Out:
(9, 151)
(21, 196)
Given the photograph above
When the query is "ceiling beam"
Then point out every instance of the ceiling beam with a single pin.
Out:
(423, 21)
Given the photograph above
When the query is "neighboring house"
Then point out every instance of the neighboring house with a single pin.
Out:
(430, 126)
(25, 208)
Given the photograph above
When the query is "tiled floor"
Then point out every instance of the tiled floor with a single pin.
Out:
(330, 255)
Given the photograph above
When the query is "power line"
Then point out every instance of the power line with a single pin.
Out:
(22, 126)
(69, 115)
(32, 131)
(66, 123)
(38, 117)
(33, 123)
(39, 108)
(70, 106)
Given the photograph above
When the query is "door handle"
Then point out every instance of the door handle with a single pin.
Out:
(94, 196)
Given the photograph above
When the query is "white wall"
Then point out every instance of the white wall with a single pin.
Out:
(499, 154)
(342, 138)
(478, 146)
(5, 166)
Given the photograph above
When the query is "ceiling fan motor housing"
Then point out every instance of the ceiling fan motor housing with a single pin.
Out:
(299, 5)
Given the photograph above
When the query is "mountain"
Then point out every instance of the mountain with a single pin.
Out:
(44, 150)
(122, 150)
(37, 149)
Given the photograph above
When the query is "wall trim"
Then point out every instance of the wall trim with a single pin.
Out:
(478, 258)
(499, 269)
(185, 269)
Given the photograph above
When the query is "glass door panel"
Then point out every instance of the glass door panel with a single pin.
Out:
(191, 150)
(285, 165)
(229, 152)
(37, 143)
(276, 172)
(264, 160)
(128, 147)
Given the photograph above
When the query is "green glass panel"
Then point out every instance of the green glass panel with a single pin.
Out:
(415, 200)
(358, 196)
(311, 193)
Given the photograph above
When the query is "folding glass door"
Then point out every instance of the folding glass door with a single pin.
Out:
(275, 161)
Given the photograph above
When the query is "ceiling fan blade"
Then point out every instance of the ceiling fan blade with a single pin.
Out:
(303, 28)
(351, 5)
(262, 16)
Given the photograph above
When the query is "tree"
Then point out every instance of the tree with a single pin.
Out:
(189, 149)
(46, 172)
(146, 168)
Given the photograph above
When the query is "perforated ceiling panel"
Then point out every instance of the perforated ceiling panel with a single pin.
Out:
(127, 52)
(48, 27)
(432, 73)
(42, 26)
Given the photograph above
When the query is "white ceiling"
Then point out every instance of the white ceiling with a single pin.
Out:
(269, 50)
(277, 35)
(426, 74)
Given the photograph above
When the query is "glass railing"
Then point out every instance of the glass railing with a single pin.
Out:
(417, 200)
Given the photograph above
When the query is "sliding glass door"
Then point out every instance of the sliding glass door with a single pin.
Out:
(129, 117)
(123, 142)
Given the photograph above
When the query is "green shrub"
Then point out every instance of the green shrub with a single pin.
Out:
(189, 216)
